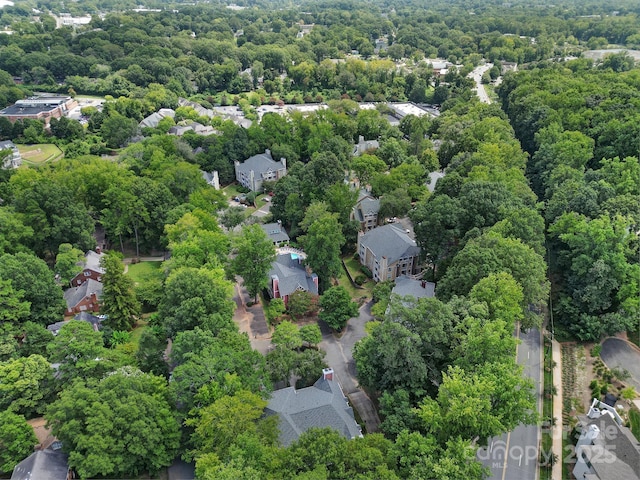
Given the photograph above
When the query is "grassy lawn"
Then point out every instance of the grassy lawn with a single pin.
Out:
(139, 272)
(39, 153)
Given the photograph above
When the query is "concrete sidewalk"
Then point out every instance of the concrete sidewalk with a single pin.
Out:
(557, 429)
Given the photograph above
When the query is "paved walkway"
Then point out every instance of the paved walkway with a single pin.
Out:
(558, 428)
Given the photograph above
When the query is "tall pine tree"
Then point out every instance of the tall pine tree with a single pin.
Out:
(118, 300)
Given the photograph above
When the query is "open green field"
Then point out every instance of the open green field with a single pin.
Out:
(139, 272)
(40, 153)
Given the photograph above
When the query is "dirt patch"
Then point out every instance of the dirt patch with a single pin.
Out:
(43, 434)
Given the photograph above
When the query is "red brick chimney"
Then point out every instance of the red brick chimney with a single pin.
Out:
(327, 373)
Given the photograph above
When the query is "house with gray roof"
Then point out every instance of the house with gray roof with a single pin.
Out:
(153, 120)
(211, 178)
(606, 449)
(288, 275)
(259, 168)
(276, 232)
(86, 297)
(388, 252)
(13, 159)
(96, 322)
(365, 211)
(406, 286)
(319, 406)
(91, 268)
(47, 464)
(364, 146)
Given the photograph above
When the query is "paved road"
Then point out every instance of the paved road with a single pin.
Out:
(476, 76)
(340, 358)
(515, 455)
(619, 353)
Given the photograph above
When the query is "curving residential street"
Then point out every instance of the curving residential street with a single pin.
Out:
(618, 353)
(476, 75)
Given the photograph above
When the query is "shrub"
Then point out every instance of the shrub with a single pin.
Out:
(360, 279)
(595, 351)
(366, 271)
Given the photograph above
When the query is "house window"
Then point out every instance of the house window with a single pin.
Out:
(87, 273)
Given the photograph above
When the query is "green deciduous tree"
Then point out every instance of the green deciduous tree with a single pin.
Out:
(492, 253)
(32, 276)
(254, 255)
(498, 396)
(26, 385)
(219, 424)
(322, 243)
(12, 307)
(127, 407)
(390, 358)
(287, 335)
(336, 307)
(197, 297)
(68, 262)
(17, 440)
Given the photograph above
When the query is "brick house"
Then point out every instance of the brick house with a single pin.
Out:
(91, 269)
(288, 275)
(85, 298)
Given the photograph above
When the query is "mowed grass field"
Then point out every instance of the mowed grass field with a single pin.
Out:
(40, 153)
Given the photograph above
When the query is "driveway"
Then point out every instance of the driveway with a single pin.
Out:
(340, 358)
(618, 353)
(251, 320)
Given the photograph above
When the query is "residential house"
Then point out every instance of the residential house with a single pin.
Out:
(153, 120)
(260, 168)
(211, 178)
(13, 159)
(40, 107)
(288, 275)
(406, 286)
(366, 211)
(363, 146)
(91, 269)
(388, 252)
(276, 232)
(194, 127)
(95, 321)
(321, 405)
(606, 449)
(47, 464)
(86, 297)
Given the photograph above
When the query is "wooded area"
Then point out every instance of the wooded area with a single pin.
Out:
(539, 200)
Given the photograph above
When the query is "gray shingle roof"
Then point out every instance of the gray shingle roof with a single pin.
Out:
(92, 261)
(321, 405)
(407, 286)
(260, 164)
(615, 453)
(291, 275)
(275, 232)
(74, 295)
(366, 206)
(82, 316)
(391, 242)
(42, 465)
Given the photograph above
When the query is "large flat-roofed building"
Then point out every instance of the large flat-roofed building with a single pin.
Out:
(40, 107)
